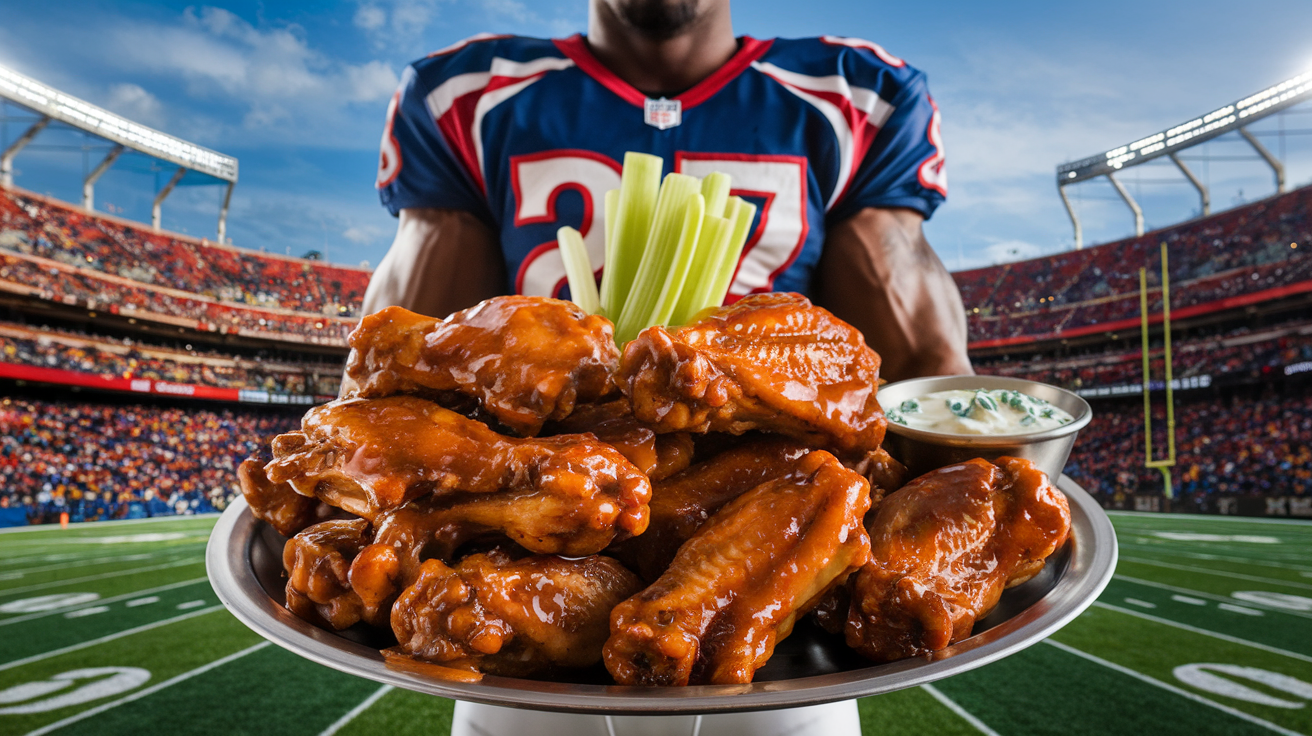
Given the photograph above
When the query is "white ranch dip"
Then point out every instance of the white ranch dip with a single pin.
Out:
(978, 412)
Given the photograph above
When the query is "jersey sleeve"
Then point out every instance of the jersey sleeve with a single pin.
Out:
(904, 166)
(417, 167)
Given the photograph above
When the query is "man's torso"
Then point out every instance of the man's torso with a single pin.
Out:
(530, 134)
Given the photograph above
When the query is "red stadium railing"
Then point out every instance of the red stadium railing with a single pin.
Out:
(80, 359)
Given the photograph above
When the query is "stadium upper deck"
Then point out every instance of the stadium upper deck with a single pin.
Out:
(1250, 254)
(59, 253)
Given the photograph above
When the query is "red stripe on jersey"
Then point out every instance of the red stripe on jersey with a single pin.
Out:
(751, 50)
(457, 125)
(862, 130)
(576, 49)
(931, 173)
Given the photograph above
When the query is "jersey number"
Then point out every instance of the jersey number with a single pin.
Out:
(772, 247)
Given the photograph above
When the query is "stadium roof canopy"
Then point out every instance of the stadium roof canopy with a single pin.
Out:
(55, 106)
(1229, 118)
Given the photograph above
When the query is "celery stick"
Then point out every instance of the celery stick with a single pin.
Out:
(612, 206)
(677, 276)
(696, 290)
(724, 270)
(578, 268)
(657, 255)
(640, 185)
(715, 188)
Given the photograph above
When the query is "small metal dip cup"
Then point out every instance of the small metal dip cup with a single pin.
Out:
(922, 450)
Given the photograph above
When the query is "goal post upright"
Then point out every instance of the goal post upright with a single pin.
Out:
(1164, 465)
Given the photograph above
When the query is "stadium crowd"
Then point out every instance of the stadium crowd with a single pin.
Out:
(70, 285)
(1225, 446)
(102, 461)
(105, 356)
(97, 461)
(1245, 250)
(1222, 357)
(60, 232)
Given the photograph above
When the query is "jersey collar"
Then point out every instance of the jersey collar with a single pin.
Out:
(576, 49)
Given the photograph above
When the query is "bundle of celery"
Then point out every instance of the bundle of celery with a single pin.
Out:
(671, 248)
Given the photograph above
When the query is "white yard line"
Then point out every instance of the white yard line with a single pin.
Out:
(1172, 688)
(1205, 632)
(951, 705)
(1218, 573)
(1211, 596)
(100, 601)
(107, 638)
(1211, 517)
(148, 691)
(102, 576)
(84, 563)
(357, 710)
(1263, 562)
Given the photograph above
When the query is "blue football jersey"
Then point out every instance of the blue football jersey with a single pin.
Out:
(529, 134)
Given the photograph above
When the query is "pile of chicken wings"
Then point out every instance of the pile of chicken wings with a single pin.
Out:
(505, 492)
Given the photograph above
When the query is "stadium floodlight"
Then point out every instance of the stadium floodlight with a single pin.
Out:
(1169, 142)
(54, 105)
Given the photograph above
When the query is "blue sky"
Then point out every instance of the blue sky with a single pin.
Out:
(297, 93)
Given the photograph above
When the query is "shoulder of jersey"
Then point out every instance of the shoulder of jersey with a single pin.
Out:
(859, 60)
(477, 54)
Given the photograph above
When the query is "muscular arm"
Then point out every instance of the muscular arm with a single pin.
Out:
(879, 273)
(441, 261)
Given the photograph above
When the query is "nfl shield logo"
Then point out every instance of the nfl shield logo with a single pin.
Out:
(662, 113)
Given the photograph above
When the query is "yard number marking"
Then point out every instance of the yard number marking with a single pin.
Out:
(1203, 677)
(119, 680)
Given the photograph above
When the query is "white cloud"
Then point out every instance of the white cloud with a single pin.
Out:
(364, 234)
(273, 72)
(135, 103)
(370, 17)
(369, 82)
(397, 26)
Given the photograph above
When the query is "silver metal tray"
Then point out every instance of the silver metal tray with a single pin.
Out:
(244, 560)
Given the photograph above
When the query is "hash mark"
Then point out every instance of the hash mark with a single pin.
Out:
(142, 601)
(190, 604)
(1239, 609)
(1139, 603)
(79, 613)
(1190, 600)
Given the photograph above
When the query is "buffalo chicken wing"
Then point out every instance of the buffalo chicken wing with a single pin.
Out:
(944, 547)
(772, 362)
(368, 456)
(511, 617)
(524, 359)
(736, 587)
(682, 503)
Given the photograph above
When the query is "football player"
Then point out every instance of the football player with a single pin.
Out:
(492, 144)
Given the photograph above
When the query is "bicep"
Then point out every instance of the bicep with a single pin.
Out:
(441, 261)
(879, 273)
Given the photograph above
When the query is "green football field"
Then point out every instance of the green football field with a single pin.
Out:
(112, 629)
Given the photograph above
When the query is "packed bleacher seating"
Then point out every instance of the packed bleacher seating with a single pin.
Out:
(1239, 354)
(104, 356)
(42, 227)
(108, 461)
(1244, 251)
(65, 284)
(1237, 445)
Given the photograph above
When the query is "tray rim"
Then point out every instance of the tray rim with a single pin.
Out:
(1092, 561)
